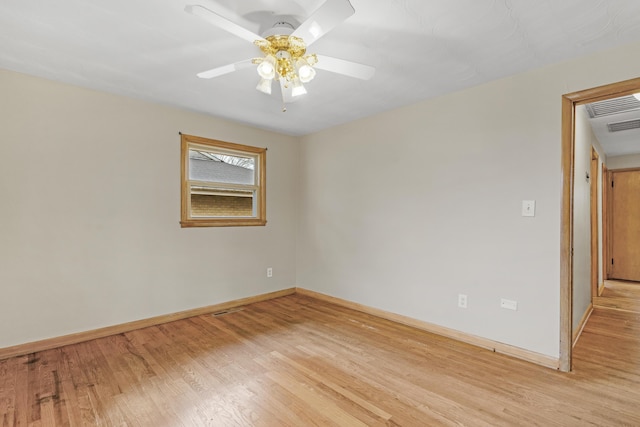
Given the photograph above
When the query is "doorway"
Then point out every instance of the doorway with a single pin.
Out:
(624, 226)
(569, 104)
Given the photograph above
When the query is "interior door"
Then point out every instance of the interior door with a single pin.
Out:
(625, 225)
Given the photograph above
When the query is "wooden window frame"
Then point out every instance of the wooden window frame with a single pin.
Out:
(260, 154)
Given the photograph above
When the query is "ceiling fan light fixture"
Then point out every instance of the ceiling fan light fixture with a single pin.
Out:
(284, 66)
(284, 47)
(267, 68)
(264, 86)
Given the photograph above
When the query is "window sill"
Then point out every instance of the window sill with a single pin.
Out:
(244, 222)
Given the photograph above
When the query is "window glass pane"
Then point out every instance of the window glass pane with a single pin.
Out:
(216, 167)
(222, 183)
(220, 202)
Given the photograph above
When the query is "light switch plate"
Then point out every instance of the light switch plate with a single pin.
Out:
(528, 208)
(508, 304)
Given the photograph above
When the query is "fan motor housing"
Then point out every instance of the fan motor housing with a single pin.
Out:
(294, 45)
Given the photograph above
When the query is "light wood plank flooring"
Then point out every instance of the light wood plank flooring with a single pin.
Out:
(619, 295)
(295, 361)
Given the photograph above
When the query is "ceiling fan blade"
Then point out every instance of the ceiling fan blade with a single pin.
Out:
(225, 69)
(222, 22)
(323, 20)
(348, 68)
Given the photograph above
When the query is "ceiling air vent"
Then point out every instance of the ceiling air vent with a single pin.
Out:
(613, 106)
(626, 125)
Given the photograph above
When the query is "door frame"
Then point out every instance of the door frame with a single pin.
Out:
(569, 103)
(606, 180)
(595, 218)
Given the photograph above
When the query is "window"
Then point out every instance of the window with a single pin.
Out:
(223, 184)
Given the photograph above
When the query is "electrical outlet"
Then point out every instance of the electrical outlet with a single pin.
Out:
(508, 304)
(269, 272)
(462, 301)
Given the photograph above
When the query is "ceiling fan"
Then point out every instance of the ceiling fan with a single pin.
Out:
(285, 49)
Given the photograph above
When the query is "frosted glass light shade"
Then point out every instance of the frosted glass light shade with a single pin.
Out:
(306, 72)
(264, 86)
(267, 68)
(298, 89)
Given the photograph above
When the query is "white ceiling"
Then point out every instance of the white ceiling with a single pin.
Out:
(152, 49)
(614, 111)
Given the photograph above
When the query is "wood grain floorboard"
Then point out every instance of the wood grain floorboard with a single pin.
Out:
(619, 295)
(296, 361)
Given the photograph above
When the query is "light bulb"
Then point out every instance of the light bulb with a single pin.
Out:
(267, 68)
(305, 71)
(265, 86)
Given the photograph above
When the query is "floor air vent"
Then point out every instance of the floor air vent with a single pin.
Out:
(626, 125)
(229, 311)
(613, 106)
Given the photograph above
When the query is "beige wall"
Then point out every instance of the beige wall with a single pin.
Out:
(90, 208)
(623, 162)
(89, 224)
(460, 166)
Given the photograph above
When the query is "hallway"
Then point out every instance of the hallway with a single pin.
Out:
(619, 295)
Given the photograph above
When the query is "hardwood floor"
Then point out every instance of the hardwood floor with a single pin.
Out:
(296, 361)
(619, 295)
